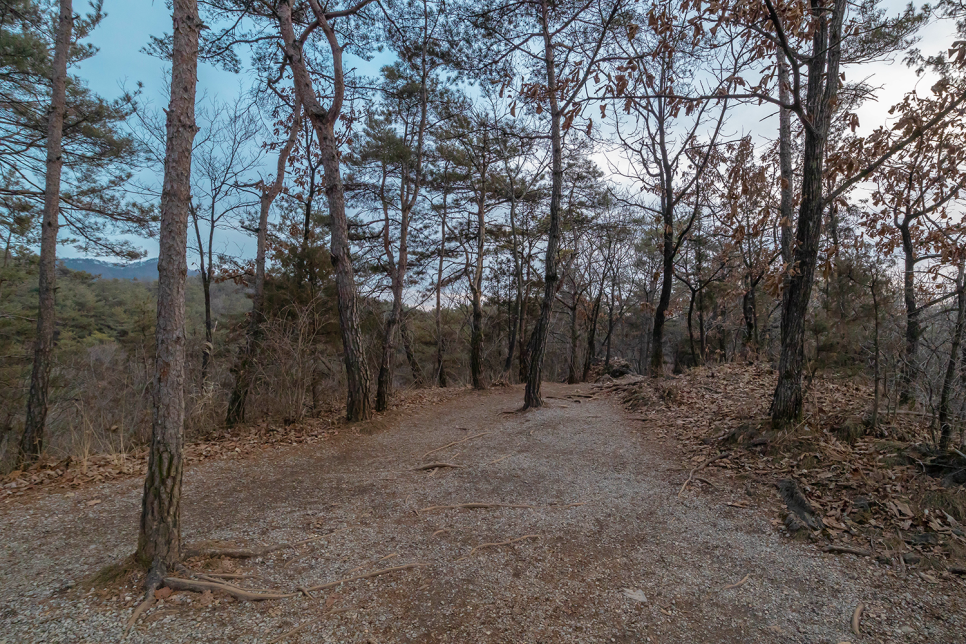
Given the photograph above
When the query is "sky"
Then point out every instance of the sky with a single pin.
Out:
(129, 24)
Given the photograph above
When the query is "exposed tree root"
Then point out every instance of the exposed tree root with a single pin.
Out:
(433, 451)
(375, 573)
(153, 584)
(857, 619)
(243, 553)
(477, 506)
(433, 466)
(845, 550)
(224, 575)
(244, 594)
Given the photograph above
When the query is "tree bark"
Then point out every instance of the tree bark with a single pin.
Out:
(538, 337)
(945, 398)
(159, 539)
(358, 406)
(256, 320)
(440, 338)
(32, 441)
(913, 329)
(476, 291)
(822, 93)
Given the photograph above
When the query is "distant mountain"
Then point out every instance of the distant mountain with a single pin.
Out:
(143, 271)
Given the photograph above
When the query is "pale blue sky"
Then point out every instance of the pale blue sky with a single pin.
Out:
(130, 23)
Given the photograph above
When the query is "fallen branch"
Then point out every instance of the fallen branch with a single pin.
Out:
(846, 550)
(857, 619)
(498, 543)
(244, 553)
(433, 451)
(244, 594)
(736, 584)
(478, 506)
(375, 573)
(701, 467)
(433, 466)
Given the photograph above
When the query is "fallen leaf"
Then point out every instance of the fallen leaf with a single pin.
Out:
(635, 594)
(162, 593)
(93, 502)
(205, 599)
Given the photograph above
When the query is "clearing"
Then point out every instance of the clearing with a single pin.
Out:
(605, 551)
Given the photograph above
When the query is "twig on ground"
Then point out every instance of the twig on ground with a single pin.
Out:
(857, 619)
(846, 550)
(502, 458)
(498, 543)
(433, 451)
(737, 583)
(701, 467)
(375, 573)
(478, 506)
(434, 466)
(441, 531)
(244, 594)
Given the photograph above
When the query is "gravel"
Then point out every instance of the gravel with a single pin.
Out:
(618, 557)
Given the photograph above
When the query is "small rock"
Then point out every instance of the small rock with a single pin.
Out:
(911, 558)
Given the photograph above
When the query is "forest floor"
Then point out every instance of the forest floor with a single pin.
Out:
(606, 549)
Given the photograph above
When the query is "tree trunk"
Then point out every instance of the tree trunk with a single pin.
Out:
(667, 277)
(750, 313)
(538, 337)
(32, 441)
(572, 378)
(945, 398)
(592, 335)
(256, 320)
(913, 332)
(357, 372)
(823, 83)
(159, 540)
(440, 338)
(406, 333)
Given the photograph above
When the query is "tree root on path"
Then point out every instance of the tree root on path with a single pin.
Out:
(243, 553)
(434, 466)
(244, 594)
(477, 506)
(433, 451)
(374, 573)
(148, 602)
(497, 543)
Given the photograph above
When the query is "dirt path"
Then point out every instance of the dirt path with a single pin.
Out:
(632, 563)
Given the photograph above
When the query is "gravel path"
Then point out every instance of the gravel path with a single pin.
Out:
(608, 553)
